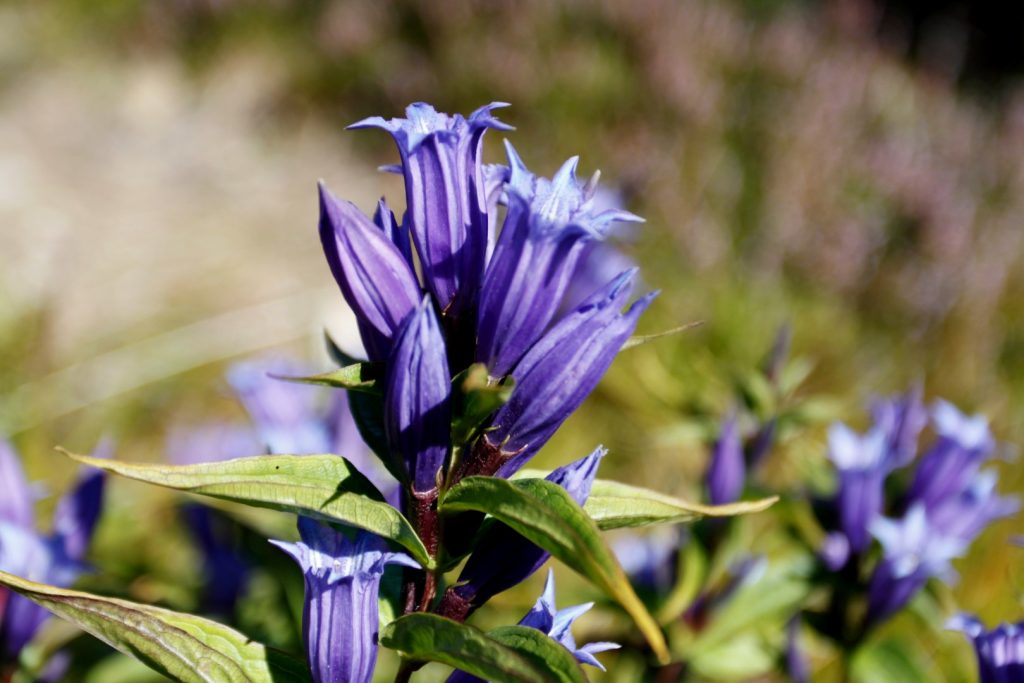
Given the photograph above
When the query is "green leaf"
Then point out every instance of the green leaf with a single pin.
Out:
(325, 487)
(893, 661)
(514, 654)
(476, 398)
(365, 377)
(641, 339)
(614, 505)
(545, 514)
(182, 646)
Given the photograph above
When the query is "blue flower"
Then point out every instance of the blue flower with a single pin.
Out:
(547, 225)
(1000, 652)
(963, 444)
(340, 618)
(901, 419)
(862, 468)
(556, 623)
(727, 472)
(56, 559)
(446, 195)
(914, 551)
(374, 275)
(417, 406)
(651, 561)
(503, 558)
(555, 376)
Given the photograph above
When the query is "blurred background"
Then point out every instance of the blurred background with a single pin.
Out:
(852, 168)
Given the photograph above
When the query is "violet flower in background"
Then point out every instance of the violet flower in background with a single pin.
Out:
(901, 419)
(727, 474)
(1000, 651)
(547, 225)
(860, 461)
(947, 468)
(557, 624)
(417, 405)
(914, 551)
(503, 558)
(651, 560)
(56, 559)
(340, 617)
(446, 195)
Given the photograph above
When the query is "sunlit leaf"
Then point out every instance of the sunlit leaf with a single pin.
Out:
(546, 515)
(181, 646)
(614, 505)
(512, 654)
(325, 487)
(365, 377)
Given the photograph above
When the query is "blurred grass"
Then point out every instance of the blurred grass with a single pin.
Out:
(158, 218)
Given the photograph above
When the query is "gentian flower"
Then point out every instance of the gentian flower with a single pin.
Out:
(862, 471)
(374, 275)
(503, 558)
(417, 406)
(651, 561)
(557, 624)
(554, 377)
(340, 615)
(901, 419)
(56, 559)
(796, 661)
(547, 225)
(727, 473)
(969, 512)
(947, 468)
(913, 552)
(446, 195)
(1000, 652)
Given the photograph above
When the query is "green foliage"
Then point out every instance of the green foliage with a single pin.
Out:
(511, 654)
(363, 377)
(182, 646)
(546, 515)
(325, 487)
(614, 505)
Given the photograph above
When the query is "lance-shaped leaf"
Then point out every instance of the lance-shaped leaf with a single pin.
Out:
(511, 654)
(548, 516)
(641, 339)
(614, 505)
(181, 646)
(364, 377)
(325, 487)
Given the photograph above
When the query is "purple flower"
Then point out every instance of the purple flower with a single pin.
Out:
(56, 559)
(557, 624)
(555, 376)
(446, 195)
(651, 561)
(547, 225)
(835, 550)
(503, 558)
(861, 463)
(340, 616)
(947, 468)
(1000, 652)
(417, 407)
(901, 419)
(727, 472)
(375, 278)
(913, 552)
(967, 514)
(796, 660)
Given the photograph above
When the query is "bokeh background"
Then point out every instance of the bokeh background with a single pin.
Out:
(852, 168)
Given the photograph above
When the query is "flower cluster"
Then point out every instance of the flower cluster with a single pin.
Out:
(937, 503)
(56, 558)
(435, 293)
